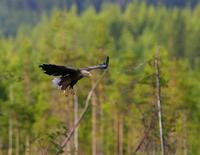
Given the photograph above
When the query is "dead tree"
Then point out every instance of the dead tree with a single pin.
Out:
(71, 133)
(158, 100)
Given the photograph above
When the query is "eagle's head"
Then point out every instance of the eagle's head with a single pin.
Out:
(86, 73)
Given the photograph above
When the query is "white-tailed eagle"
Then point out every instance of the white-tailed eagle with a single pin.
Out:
(69, 76)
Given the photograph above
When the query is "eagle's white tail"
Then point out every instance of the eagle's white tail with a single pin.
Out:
(56, 82)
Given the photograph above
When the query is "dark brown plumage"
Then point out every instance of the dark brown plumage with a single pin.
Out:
(69, 76)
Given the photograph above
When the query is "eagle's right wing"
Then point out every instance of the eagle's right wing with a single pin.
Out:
(56, 70)
(101, 66)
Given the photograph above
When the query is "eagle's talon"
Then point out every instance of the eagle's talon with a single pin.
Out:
(65, 93)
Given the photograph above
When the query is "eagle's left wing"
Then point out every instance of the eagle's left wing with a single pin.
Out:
(56, 70)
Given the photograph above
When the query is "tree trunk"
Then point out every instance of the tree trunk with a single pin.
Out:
(94, 124)
(75, 120)
(1, 147)
(129, 146)
(185, 151)
(100, 106)
(116, 130)
(70, 122)
(158, 100)
(121, 134)
(10, 133)
(27, 92)
(100, 125)
(17, 139)
(27, 146)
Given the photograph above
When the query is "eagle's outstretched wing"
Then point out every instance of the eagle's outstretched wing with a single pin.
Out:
(101, 66)
(69, 76)
(56, 70)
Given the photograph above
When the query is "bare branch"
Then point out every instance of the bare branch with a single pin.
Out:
(146, 134)
(67, 139)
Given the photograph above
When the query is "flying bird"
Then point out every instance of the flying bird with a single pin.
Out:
(67, 76)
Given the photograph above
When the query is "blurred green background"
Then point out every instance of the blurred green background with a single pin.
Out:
(35, 117)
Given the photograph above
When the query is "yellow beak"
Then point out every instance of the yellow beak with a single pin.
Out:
(90, 75)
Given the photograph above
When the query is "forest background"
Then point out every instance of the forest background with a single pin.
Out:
(122, 118)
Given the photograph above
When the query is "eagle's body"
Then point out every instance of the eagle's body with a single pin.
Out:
(69, 76)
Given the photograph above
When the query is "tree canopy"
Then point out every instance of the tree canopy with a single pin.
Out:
(35, 116)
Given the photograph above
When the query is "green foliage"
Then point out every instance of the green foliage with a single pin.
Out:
(128, 90)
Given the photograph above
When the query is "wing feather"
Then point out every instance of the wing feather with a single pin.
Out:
(56, 70)
(101, 66)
